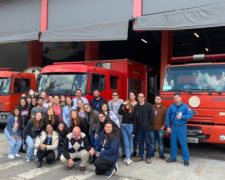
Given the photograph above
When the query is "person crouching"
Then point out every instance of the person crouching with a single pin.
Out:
(46, 145)
(76, 145)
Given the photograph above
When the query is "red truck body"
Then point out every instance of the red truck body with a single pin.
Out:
(12, 86)
(120, 75)
(202, 86)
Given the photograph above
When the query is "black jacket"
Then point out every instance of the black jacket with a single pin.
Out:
(144, 116)
(97, 104)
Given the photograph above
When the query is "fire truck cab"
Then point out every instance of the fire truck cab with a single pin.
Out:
(105, 75)
(202, 86)
(12, 86)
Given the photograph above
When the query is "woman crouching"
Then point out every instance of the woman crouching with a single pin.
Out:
(107, 151)
(46, 145)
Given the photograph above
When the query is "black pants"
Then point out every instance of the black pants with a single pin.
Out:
(102, 165)
(50, 155)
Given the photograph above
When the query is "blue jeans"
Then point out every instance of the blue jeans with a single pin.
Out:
(127, 130)
(144, 137)
(179, 133)
(157, 136)
(15, 142)
(30, 147)
(93, 141)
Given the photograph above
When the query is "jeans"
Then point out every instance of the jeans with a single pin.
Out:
(15, 142)
(30, 147)
(144, 137)
(179, 133)
(93, 141)
(60, 150)
(157, 136)
(127, 130)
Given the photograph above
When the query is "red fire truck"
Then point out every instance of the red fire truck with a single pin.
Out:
(202, 86)
(12, 86)
(119, 75)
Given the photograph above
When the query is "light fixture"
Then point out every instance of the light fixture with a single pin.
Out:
(196, 35)
(143, 40)
(206, 49)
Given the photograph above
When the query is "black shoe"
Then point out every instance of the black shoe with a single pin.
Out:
(171, 160)
(123, 156)
(39, 164)
(22, 151)
(186, 163)
(162, 157)
(134, 154)
(109, 173)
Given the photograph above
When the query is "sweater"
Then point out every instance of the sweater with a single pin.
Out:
(71, 145)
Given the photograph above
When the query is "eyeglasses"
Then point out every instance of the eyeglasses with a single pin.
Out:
(115, 95)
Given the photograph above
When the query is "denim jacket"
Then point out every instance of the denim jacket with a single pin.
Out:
(10, 124)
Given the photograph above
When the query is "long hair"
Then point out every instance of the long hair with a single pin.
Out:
(19, 117)
(130, 110)
(52, 117)
(114, 134)
(78, 108)
(106, 110)
(26, 104)
(38, 123)
(76, 121)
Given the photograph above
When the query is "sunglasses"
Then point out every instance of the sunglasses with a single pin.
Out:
(115, 95)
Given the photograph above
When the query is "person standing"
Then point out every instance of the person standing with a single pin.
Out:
(79, 94)
(145, 115)
(132, 98)
(97, 102)
(92, 119)
(158, 126)
(39, 108)
(176, 123)
(128, 114)
(66, 112)
(114, 105)
(13, 133)
(31, 132)
(58, 109)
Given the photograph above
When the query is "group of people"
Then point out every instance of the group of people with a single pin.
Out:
(75, 130)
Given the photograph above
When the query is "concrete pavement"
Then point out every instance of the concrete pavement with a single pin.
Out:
(206, 163)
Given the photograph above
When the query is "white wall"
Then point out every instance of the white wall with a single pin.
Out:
(14, 55)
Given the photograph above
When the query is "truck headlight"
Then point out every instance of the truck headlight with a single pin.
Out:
(222, 137)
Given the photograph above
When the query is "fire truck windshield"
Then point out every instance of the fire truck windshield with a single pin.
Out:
(199, 78)
(4, 86)
(63, 84)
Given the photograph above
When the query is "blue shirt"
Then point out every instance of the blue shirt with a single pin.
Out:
(85, 101)
(174, 110)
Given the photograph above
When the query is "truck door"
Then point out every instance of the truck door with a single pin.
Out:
(20, 86)
(152, 87)
(98, 81)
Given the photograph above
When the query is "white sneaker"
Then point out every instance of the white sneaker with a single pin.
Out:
(11, 156)
(125, 161)
(129, 161)
(17, 155)
(28, 160)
